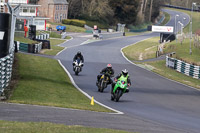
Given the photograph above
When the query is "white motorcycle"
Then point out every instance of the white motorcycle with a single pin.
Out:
(77, 66)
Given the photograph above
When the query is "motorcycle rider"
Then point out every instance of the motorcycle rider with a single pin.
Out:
(108, 70)
(78, 56)
(123, 74)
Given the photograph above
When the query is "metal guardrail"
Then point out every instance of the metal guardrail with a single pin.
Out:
(182, 8)
(183, 67)
(108, 35)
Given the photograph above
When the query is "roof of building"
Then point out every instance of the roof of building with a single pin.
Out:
(60, 2)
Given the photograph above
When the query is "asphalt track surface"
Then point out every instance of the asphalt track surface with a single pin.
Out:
(153, 105)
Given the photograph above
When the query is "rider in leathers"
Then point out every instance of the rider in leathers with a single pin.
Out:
(78, 56)
(124, 74)
(108, 70)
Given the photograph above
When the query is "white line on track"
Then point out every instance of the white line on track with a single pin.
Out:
(87, 95)
(150, 70)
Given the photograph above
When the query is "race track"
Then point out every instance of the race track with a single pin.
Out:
(154, 104)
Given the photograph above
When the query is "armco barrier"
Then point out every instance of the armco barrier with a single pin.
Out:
(182, 8)
(5, 71)
(183, 67)
(109, 35)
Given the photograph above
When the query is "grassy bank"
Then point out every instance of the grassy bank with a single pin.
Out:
(44, 127)
(42, 81)
(142, 50)
(54, 48)
(69, 28)
(166, 20)
(182, 51)
(25, 40)
(159, 67)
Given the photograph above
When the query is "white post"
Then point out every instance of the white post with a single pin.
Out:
(191, 29)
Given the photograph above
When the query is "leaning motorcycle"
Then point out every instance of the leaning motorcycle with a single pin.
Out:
(77, 66)
(103, 82)
(119, 89)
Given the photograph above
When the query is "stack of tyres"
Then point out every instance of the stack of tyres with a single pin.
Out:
(32, 32)
(16, 46)
(5, 31)
(23, 47)
(31, 48)
(45, 44)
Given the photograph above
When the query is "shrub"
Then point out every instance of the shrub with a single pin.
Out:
(75, 22)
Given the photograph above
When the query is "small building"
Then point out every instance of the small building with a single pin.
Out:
(56, 10)
(28, 12)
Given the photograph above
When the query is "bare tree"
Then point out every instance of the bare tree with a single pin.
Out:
(150, 10)
(145, 5)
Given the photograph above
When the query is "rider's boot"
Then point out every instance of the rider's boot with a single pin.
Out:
(127, 90)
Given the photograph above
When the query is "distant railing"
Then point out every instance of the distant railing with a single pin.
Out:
(178, 7)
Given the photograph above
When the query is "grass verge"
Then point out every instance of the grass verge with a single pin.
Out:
(54, 48)
(135, 33)
(45, 127)
(182, 51)
(43, 81)
(142, 50)
(69, 28)
(25, 40)
(166, 20)
(160, 68)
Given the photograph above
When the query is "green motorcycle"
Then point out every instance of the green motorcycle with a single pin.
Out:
(119, 89)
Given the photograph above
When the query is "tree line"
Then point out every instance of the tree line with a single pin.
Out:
(115, 11)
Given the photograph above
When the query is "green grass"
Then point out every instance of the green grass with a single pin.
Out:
(25, 40)
(134, 33)
(45, 127)
(69, 28)
(166, 20)
(68, 37)
(43, 81)
(160, 68)
(54, 48)
(182, 51)
(142, 50)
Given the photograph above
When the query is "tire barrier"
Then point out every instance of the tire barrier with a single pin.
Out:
(5, 33)
(43, 36)
(30, 48)
(6, 64)
(183, 67)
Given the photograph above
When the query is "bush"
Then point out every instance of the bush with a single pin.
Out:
(100, 25)
(75, 22)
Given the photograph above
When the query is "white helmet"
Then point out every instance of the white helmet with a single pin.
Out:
(124, 72)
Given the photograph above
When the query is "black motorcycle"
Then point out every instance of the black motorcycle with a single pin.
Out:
(103, 82)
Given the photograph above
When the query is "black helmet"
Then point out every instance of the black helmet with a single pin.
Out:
(79, 53)
(124, 72)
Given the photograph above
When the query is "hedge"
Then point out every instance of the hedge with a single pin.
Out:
(75, 22)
